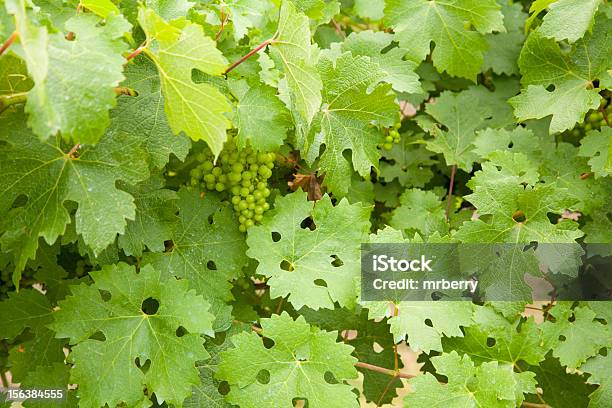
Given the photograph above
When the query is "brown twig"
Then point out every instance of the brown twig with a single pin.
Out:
(8, 42)
(137, 51)
(527, 404)
(338, 28)
(602, 109)
(244, 58)
(450, 191)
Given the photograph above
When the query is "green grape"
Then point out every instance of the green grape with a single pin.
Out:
(249, 223)
(207, 166)
(209, 179)
(243, 205)
(217, 171)
(387, 146)
(220, 187)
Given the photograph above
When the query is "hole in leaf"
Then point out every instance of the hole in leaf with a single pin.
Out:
(168, 246)
(329, 378)
(307, 223)
(275, 236)
(285, 265)
(519, 216)
(263, 377)
(211, 265)
(98, 336)
(320, 282)
(300, 402)
(150, 306)
(223, 388)
(490, 341)
(181, 331)
(105, 294)
(268, 343)
(210, 219)
(336, 262)
(428, 323)
(510, 145)
(550, 88)
(561, 337)
(572, 318)
(144, 367)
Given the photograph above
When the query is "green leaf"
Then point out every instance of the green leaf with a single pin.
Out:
(100, 7)
(545, 65)
(504, 48)
(13, 75)
(487, 385)
(54, 377)
(377, 387)
(397, 71)
(458, 48)
(372, 9)
(75, 94)
(144, 115)
(353, 104)
(170, 9)
(568, 19)
(196, 109)
(207, 248)
(599, 367)
(107, 370)
(493, 338)
(246, 14)
(575, 335)
(262, 119)
(295, 367)
(27, 308)
(408, 161)
(155, 217)
(462, 114)
(317, 267)
(45, 174)
(292, 50)
(597, 145)
(419, 211)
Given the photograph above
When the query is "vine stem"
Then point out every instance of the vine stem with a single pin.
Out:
(527, 404)
(137, 51)
(223, 18)
(382, 370)
(244, 58)
(12, 99)
(8, 42)
(3, 379)
(601, 109)
(450, 190)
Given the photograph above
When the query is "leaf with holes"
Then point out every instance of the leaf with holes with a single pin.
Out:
(126, 320)
(313, 267)
(298, 365)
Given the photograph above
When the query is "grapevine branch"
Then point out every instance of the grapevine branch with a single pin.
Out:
(8, 42)
(223, 19)
(137, 51)
(244, 58)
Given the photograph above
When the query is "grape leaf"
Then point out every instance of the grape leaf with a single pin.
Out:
(518, 213)
(144, 115)
(154, 219)
(345, 121)
(107, 370)
(48, 176)
(372, 9)
(312, 267)
(458, 49)
(13, 75)
(170, 9)
(462, 114)
(247, 14)
(262, 119)
(544, 65)
(419, 211)
(296, 366)
(377, 387)
(493, 338)
(397, 71)
(597, 145)
(599, 367)
(207, 248)
(27, 308)
(487, 385)
(76, 93)
(196, 109)
(409, 162)
(575, 335)
(567, 19)
(504, 48)
(292, 50)
(100, 7)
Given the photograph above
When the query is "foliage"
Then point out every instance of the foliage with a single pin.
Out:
(186, 186)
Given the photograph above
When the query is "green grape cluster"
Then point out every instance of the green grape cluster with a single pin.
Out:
(595, 119)
(244, 173)
(393, 136)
